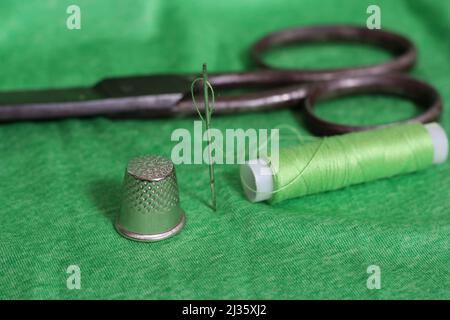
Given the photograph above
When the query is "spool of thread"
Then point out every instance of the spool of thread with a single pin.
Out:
(336, 162)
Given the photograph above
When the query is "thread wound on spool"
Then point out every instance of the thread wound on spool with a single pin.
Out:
(339, 161)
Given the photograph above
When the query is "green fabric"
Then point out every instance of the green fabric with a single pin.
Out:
(60, 181)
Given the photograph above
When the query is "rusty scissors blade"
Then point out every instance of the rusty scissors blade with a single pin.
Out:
(168, 95)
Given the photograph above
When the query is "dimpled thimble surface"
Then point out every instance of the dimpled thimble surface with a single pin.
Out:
(150, 208)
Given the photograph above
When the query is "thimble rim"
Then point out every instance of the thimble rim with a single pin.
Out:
(151, 237)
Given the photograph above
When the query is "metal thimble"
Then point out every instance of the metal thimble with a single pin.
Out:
(150, 208)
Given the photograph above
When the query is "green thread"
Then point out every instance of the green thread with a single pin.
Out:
(335, 162)
(209, 109)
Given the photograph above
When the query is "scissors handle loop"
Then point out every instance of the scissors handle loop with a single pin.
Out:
(403, 50)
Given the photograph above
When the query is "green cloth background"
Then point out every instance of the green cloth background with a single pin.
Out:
(60, 180)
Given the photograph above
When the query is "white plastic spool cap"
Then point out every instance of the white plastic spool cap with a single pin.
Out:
(440, 141)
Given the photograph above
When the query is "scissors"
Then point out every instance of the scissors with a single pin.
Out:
(169, 94)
